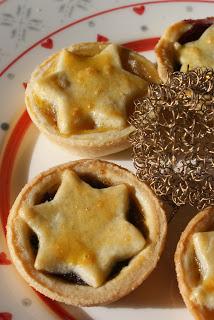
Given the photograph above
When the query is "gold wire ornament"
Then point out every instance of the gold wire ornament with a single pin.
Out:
(173, 141)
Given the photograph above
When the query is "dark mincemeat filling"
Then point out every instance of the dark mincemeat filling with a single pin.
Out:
(34, 242)
(177, 66)
(48, 196)
(134, 216)
(194, 33)
(70, 277)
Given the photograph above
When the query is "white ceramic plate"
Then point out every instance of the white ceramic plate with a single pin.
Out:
(26, 153)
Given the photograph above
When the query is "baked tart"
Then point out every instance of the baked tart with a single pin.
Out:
(194, 261)
(82, 96)
(186, 45)
(86, 233)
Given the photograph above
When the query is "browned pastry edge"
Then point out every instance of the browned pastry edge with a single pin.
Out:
(201, 222)
(130, 276)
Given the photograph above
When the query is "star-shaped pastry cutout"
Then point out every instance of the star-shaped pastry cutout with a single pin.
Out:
(83, 230)
(89, 93)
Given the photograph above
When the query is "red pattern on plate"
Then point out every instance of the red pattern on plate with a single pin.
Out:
(4, 260)
(7, 164)
(2, 1)
(87, 18)
(48, 43)
(24, 84)
(101, 38)
(56, 307)
(142, 44)
(139, 10)
(5, 316)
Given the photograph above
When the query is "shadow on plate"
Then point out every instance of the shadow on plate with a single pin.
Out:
(78, 313)
(120, 156)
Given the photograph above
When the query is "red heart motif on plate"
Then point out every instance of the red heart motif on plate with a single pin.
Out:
(4, 261)
(101, 38)
(139, 10)
(24, 84)
(48, 43)
(5, 316)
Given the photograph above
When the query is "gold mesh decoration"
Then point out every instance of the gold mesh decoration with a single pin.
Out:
(173, 144)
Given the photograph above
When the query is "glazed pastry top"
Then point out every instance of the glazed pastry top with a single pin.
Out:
(87, 93)
(83, 230)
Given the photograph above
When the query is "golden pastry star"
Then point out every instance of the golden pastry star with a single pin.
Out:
(83, 230)
(89, 93)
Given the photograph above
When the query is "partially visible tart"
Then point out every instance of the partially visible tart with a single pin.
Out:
(82, 96)
(194, 260)
(186, 45)
(86, 233)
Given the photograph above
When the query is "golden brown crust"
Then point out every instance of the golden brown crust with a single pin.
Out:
(129, 278)
(203, 221)
(92, 144)
(165, 50)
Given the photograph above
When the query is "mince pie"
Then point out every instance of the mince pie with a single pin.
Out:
(186, 45)
(82, 97)
(194, 261)
(86, 233)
